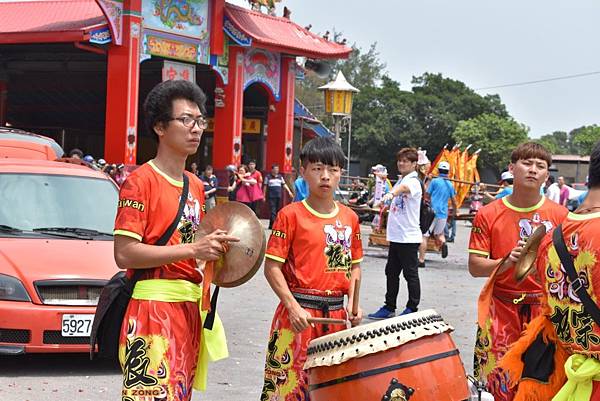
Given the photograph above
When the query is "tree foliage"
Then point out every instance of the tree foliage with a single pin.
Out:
(495, 135)
(584, 138)
(579, 141)
(557, 142)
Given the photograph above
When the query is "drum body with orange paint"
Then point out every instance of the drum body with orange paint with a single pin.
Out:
(405, 358)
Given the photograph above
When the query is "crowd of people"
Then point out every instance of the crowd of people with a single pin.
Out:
(537, 337)
(117, 172)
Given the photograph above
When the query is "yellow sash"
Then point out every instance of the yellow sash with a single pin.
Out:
(581, 371)
(213, 344)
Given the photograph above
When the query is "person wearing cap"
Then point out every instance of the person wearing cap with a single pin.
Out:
(440, 191)
(382, 184)
(506, 187)
(499, 232)
(423, 165)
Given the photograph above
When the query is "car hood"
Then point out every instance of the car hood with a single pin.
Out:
(31, 259)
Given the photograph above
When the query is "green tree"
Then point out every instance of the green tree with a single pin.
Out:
(440, 103)
(556, 142)
(496, 136)
(584, 138)
(382, 122)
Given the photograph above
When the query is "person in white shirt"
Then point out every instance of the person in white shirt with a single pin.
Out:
(552, 191)
(404, 236)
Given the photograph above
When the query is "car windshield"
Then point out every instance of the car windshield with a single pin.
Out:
(56, 203)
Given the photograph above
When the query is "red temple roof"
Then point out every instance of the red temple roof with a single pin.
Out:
(282, 35)
(49, 21)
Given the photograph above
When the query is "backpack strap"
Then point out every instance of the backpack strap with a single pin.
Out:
(171, 229)
(576, 283)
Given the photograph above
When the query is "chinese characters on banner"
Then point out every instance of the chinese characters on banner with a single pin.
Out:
(173, 70)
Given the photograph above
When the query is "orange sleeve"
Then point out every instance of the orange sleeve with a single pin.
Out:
(132, 209)
(480, 241)
(356, 245)
(280, 241)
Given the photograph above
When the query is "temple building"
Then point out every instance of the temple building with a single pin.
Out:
(78, 71)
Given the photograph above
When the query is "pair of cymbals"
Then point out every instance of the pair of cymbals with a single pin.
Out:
(242, 259)
(526, 261)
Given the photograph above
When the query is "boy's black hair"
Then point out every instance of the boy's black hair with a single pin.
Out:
(322, 150)
(509, 181)
(158, 106)
(594, 172)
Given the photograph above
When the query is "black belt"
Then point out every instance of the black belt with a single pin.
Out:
(323, 303)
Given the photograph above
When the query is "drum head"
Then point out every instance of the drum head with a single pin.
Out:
(526, 260)
(243, 259)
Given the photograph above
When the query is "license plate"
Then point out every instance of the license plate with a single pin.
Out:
(77, 325)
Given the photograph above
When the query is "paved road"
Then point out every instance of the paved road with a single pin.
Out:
(246, 311)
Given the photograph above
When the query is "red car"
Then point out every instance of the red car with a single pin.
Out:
(56, 253)
(16, 143)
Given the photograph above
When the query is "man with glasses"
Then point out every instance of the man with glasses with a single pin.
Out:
(160, 334)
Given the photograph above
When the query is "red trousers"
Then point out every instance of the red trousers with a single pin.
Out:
(504, 325)
(285, 378)
(159, 350)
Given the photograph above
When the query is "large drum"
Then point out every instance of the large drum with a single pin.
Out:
(409, 357)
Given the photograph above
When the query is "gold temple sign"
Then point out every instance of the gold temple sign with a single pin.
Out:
(249, 125)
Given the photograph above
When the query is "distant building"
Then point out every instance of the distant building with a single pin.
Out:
(573, 167)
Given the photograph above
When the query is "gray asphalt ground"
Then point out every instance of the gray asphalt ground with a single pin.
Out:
(246, 312)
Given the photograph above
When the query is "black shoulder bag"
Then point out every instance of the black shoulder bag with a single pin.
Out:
(115, 297)
(426, 212)
(577, 284)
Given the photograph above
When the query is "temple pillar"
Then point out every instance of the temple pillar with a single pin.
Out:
(217, 36)
(280, 130)
(122, 89)
(227, 141)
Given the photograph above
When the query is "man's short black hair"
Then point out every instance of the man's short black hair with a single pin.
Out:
(509, 181)
(322, 150)
(76, 151)
(594, 172)
(158, 106)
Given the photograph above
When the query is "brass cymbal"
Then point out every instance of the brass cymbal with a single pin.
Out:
(526, 261)
(243, 259)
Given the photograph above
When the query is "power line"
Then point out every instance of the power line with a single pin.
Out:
(585, 74)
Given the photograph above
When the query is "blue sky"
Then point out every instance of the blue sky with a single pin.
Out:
(483, 44)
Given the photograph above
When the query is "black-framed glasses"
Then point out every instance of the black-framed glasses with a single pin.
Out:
(189, 122)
